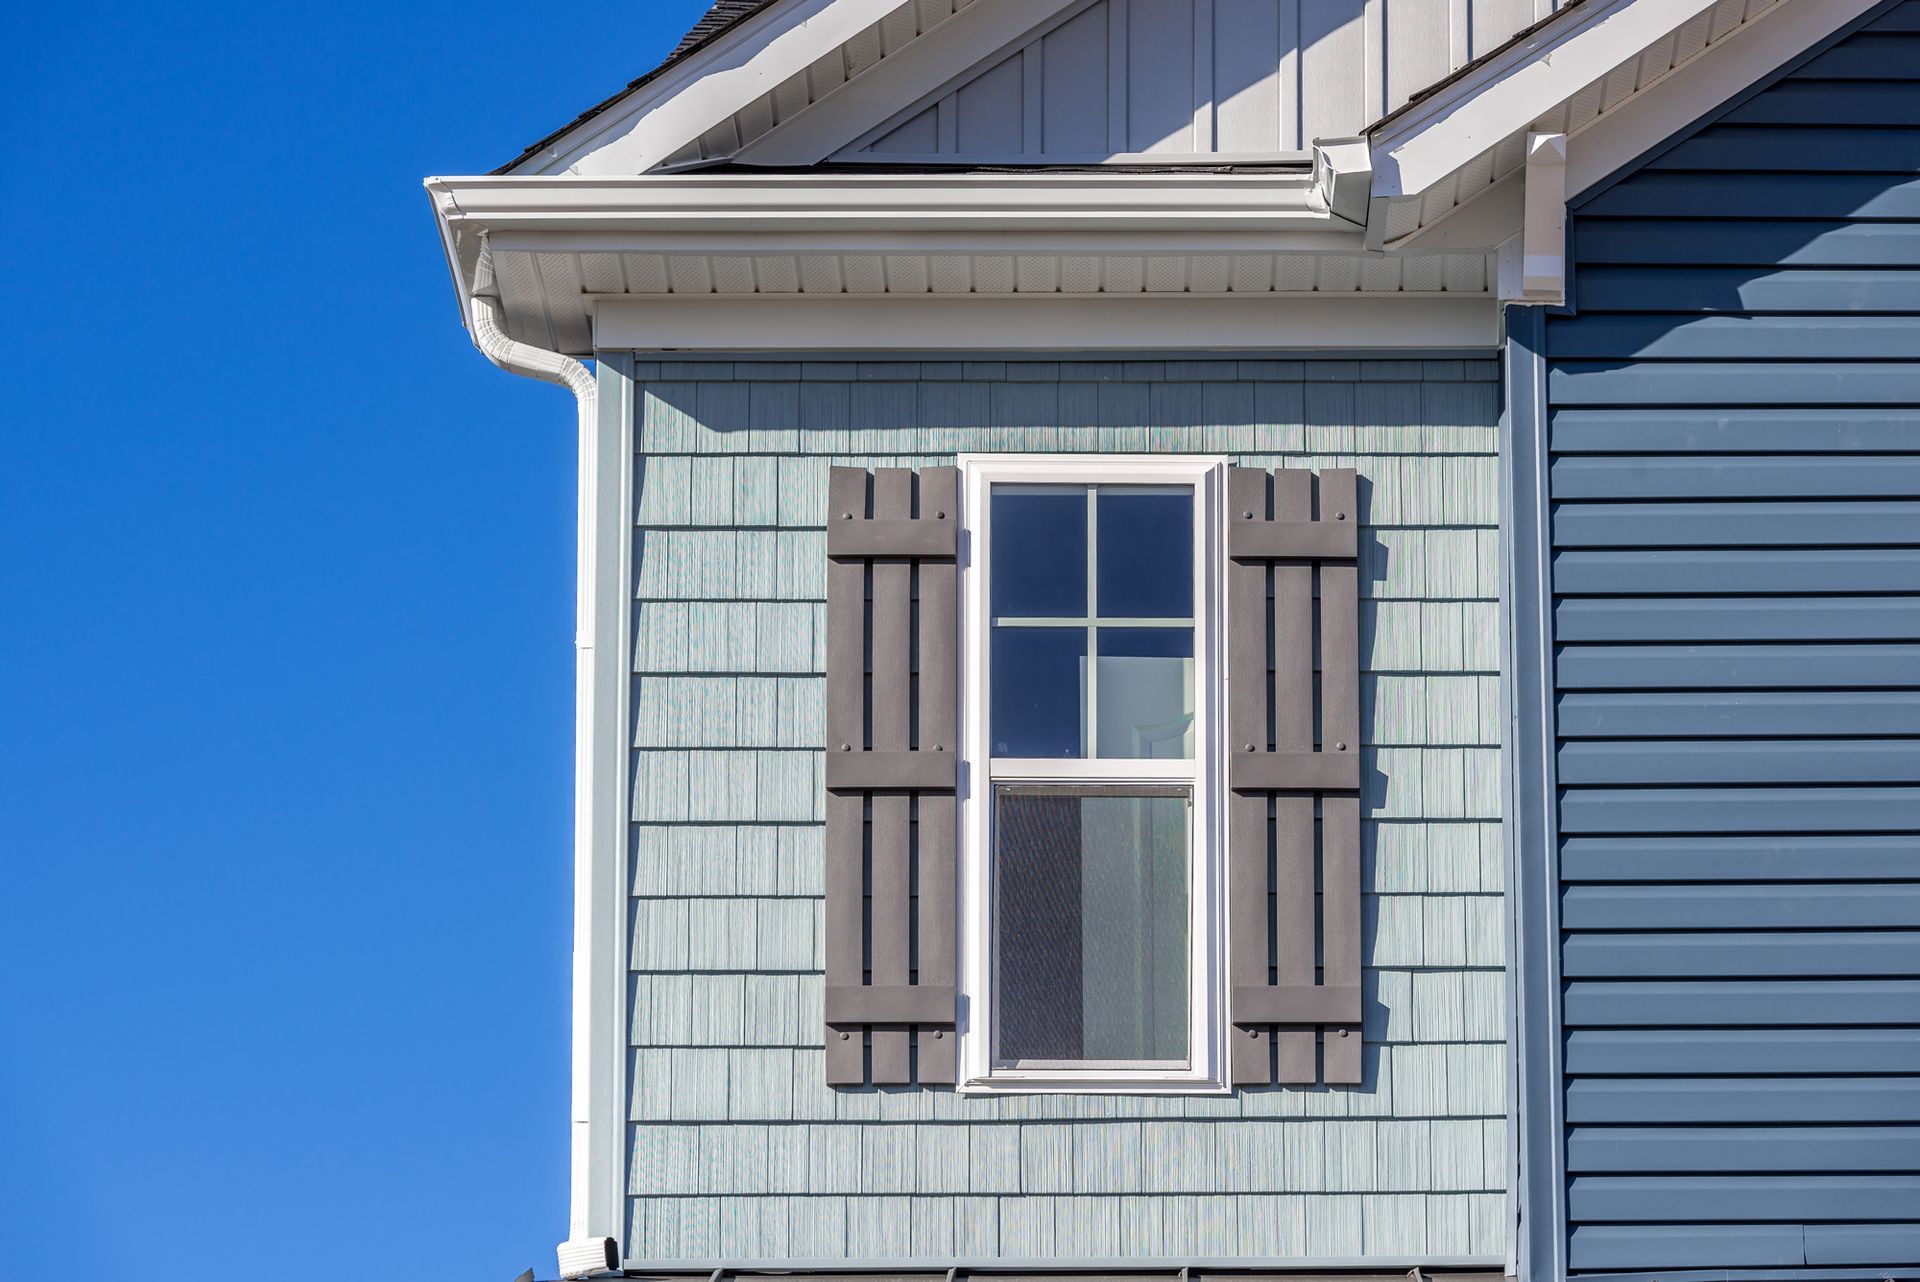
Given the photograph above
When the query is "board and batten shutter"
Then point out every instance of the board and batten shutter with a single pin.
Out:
(893, 725)
(1293, 815)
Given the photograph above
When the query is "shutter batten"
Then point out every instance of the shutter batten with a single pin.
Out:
(890, 802)
(1294, 810)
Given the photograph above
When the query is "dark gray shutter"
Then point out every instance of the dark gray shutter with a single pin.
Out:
(893, 719)
(1293, 820)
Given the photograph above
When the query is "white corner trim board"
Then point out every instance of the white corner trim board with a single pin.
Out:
(707, 87)
(1043, 323)
(1463, 120)
(1543, 262)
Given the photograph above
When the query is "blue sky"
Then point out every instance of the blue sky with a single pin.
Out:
(286, 576)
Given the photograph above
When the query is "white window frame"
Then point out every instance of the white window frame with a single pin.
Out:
(1205, 773)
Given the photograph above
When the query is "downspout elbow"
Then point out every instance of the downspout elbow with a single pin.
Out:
(484, 317)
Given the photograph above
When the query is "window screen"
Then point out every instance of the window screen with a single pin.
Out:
(1091, 947)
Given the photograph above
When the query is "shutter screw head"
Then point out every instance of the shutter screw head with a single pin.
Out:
(939, 516)
(1249, 747)
(1246, 516)
(846, 516)
(845, 1036)
(846, 747)
(938, 748)
(1340, 516)
(938, 1035)
(1343, 1032)
(1340, 747)
(1253, 1032)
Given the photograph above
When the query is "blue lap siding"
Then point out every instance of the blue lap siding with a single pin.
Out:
(1732, 534)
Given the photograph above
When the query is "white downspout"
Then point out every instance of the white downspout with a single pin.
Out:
(580, 1254)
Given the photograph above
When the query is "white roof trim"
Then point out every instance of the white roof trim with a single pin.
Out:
(1613, 97)
(1461, 122)
(1758, 48)
(1270, 205)
(743, 64)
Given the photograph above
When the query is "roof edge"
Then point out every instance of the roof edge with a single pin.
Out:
(690, 44)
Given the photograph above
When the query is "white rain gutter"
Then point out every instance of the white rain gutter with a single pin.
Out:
(580, 1254)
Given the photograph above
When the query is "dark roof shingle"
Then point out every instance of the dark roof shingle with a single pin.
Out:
(717, 19)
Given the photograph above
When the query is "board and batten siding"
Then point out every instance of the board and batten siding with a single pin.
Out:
(738, 1149)
(1734, 476)
(1185, 77)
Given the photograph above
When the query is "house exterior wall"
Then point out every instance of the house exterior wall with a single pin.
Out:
(738, 1151)
(1733, 548)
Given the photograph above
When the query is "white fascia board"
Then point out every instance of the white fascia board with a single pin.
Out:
(1270, 205)
(1462, 121)
(985, 240)
(972, 36)
(1044, 323)
(707, 87)
(1729, 67)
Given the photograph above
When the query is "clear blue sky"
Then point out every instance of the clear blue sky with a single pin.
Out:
(286, 577)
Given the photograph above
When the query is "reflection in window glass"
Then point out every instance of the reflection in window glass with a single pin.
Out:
(1145, 692)
(1090, 952)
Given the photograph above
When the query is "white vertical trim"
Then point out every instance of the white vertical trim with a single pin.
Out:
(616, 670)
(1292, 115)
(948, 123)
(1032, 100)
(1374, 57)
(1205, 128)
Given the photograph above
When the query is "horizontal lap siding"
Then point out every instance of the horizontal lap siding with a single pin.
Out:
(1735, 436)
(739, 1150)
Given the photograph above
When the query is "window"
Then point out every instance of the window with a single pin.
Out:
(1091, 815)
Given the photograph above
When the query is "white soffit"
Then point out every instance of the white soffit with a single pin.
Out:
(1470, 137)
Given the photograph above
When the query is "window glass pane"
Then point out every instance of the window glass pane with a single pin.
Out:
(1146, 553)
(1039, 552)
(1039, 683)
(1145, 692)
(1090, 953)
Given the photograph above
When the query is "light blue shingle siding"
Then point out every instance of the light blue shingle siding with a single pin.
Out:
(740, 1151)
(1734, 442)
